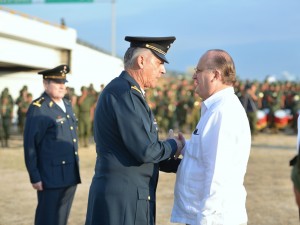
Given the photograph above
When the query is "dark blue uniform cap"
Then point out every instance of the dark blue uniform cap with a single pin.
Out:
(58, 74)
(158, 45)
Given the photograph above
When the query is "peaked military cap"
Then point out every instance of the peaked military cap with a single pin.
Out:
(58, 73)
(158, 45)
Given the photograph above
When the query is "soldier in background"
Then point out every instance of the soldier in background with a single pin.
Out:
(6, 112)
(86, 111)
(94, 95)
(7, 94)
(249, 102)
(73, 98)
(21, 102)
(274, 103)
(239, 89)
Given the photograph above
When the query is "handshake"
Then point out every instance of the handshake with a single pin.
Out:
(180, 141)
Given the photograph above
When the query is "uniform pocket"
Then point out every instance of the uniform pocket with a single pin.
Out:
(194, 147)
(60, 124)
(62, 167)
(145, 200)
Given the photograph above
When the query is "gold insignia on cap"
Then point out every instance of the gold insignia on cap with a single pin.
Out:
(64, 71)
(54, 77)
(156, 49)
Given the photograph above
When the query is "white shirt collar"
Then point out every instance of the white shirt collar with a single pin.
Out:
(215, 97)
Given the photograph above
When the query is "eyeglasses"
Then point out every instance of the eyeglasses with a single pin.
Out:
(197, 70)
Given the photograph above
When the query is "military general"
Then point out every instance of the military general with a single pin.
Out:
(51, 149)
(129, 152)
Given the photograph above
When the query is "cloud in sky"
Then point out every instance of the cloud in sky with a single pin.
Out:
(262, 36)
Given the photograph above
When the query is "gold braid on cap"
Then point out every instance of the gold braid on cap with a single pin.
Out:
(56, 77)
(156, 49)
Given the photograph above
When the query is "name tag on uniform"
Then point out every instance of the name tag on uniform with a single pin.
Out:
(59, 120)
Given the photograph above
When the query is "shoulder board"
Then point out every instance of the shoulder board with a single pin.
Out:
(136, 88)
(39, 102)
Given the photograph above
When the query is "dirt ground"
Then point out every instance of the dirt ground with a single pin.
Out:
(269, 201)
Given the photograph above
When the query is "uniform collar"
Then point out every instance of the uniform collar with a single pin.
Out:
(50, 103)
(125, 75)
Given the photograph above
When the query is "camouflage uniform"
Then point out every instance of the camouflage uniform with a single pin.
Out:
(85, 105)
(6, 112)
(23, 105)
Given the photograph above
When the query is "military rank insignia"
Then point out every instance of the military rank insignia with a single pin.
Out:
(39, 102)
(136, 88)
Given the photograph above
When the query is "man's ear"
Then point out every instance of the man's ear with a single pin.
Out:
(217, 74)
(141, 61)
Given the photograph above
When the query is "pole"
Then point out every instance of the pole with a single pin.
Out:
(113, 28)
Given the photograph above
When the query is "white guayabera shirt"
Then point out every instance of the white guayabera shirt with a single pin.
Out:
(209, 184)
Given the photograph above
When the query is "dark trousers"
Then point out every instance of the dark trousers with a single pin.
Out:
(54, 206)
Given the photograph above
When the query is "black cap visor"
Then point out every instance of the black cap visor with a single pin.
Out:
(160, 56)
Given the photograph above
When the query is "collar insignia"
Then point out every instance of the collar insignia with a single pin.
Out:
(136, 88)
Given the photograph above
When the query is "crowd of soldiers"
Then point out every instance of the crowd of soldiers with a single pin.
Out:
(84, 107)
(279, 103)
(7, 104)
(173, 102)
(176, 106)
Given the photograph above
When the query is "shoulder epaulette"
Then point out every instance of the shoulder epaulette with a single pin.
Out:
(136, 88)
(39, 102)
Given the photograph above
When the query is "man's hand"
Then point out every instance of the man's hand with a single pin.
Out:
(38, 186)
(180, 141)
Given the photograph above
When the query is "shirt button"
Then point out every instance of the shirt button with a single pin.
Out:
(71, 128)
(68, 116)
(62, 122)
(76, 153)
(63, 162)
(149, 198)
(74, 140)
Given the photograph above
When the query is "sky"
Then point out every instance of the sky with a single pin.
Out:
(262, 36)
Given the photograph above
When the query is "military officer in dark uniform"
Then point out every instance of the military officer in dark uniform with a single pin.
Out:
(129, 152)
(51, 149)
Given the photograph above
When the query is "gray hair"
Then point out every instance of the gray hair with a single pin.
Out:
(131, 54)
(222, 60)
